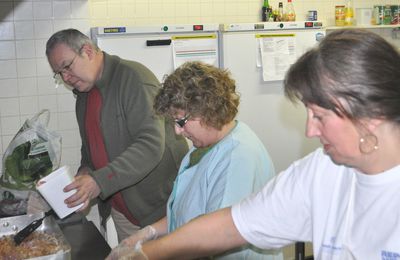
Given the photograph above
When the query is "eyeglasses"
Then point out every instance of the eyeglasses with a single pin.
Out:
(67, 68)
(182, 122)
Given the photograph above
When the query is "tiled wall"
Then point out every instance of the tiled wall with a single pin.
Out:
(26, 83)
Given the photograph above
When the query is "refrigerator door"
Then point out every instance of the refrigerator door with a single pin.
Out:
(153, 46)
(157, 56)
(277, 122)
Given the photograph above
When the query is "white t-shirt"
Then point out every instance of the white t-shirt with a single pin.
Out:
(345, 213)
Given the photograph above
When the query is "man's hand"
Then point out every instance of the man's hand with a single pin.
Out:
(86, 190)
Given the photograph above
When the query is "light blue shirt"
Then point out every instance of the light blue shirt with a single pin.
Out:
(235, 167)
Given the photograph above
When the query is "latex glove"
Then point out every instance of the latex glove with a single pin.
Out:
(36, 203)
(123, 252)
(145, 234)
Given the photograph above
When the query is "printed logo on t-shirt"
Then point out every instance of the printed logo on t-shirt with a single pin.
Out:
(331, 247)
(387, 255)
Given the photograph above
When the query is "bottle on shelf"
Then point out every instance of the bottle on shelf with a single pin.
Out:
(265, 11)
(290, 13)
(387, 15)
(349, 14)
(270, 14)
(280, 15)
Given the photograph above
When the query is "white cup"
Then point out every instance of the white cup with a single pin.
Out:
(51, 187)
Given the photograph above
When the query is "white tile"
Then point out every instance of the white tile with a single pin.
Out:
(7, 31)
(48, 102)
(6, 11)
(66, 102)
(98, 10)
(80, 9)
(27, 87)
(8, 69)
(8, 88)
(9, 107)
(28, 105)
(65, 89)
(61, 9)
(7, 50)
(67, 121)
(43, 67)
(42, 10)
(26, 67)
(24, 30)
(61, 24)
(6, 139)
(53, 122)
(43, 29)
(10, 126)
(23, 10)
(46, 85)
(70, 156)
(81, 24)
(70, 138)
(40, 46)
(25, 49)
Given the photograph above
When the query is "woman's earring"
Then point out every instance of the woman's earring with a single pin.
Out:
(368, 143)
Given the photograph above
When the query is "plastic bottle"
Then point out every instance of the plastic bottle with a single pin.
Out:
(265, 11)
(290, 13)
(270, 14)
(280, 16)
(349, 14)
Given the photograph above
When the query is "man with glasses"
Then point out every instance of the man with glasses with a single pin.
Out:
(130, 156)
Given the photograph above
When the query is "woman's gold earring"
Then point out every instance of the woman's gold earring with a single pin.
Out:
(368, 143)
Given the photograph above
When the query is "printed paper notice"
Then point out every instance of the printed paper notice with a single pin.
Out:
(278, 52)
(195, 48)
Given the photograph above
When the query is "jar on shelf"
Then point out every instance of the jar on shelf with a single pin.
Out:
(339, 15)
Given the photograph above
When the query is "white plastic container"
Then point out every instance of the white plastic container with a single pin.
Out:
(363, 16)
(51, 187)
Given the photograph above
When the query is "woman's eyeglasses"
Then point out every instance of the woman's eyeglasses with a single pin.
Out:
(182, 122)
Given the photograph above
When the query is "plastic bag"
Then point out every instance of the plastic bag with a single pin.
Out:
(13, 203)
(33, 153)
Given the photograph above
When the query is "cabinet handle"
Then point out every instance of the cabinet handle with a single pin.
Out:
(158, 42)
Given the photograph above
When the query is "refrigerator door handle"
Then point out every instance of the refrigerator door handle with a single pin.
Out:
(158, 42)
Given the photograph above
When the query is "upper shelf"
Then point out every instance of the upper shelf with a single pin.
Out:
(364, 26)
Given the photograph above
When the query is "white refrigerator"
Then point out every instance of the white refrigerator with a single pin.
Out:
(258, 55)
(161, 48)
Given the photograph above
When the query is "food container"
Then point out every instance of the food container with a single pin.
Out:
(51, 187)
(339, 15)
(387, 15)
(312, 15)
(11, 225)
(395, 14)
(363, 16)
(377, 15)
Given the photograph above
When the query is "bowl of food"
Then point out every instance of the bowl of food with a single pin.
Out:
(47, 242)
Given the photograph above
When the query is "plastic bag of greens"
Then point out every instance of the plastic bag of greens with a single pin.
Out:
(33, 153)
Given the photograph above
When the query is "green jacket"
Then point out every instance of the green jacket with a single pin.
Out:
(143, 150)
